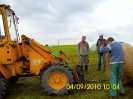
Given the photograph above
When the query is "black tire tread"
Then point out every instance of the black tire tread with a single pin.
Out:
(3, 86)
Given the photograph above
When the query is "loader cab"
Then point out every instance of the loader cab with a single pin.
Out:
(8, 22)
(2, 31)
(11, 26)
(9, 44)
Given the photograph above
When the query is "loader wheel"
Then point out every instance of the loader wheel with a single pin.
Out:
(13, 80)
(55, 78)
(3, 86)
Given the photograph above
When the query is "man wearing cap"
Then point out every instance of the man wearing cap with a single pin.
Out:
(101, 41)
(83, 53)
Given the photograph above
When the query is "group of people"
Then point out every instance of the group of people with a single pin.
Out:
(116, 60)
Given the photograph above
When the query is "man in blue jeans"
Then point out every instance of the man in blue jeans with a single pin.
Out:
(116, 61)
(101, 41)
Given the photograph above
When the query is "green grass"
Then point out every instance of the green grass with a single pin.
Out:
(29, 87)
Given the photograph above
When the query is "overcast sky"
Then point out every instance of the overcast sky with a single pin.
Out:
(46, 21)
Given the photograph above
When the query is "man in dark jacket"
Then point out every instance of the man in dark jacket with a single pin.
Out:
(101, 41)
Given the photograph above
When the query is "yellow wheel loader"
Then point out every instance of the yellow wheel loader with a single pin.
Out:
(28, 57)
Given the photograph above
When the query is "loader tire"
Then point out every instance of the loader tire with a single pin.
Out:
(3, 86)
(13, 80)
(55, 77)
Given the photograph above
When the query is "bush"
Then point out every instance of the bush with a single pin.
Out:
(46, 45)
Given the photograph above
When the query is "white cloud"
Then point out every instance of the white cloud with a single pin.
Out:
(50, 20)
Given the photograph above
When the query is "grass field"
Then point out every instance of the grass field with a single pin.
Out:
(29, 87)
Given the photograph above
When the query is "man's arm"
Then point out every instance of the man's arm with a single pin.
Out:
(78, 49)
(105, 49)
(97, 43)
(88, 49)
(105, 42)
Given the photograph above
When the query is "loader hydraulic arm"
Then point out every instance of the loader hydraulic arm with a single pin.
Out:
(77, 72)
(28, 43)
(62, 55)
